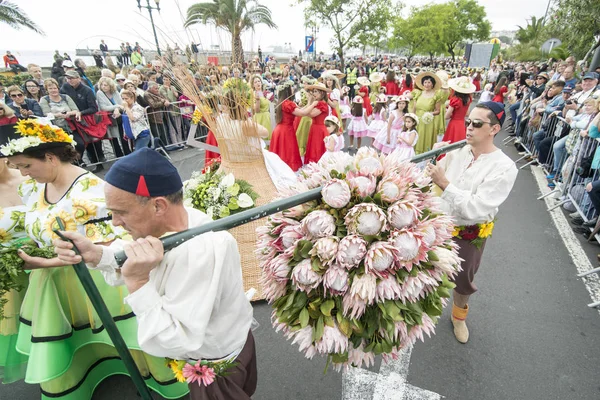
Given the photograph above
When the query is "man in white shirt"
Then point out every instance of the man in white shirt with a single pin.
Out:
(475, 181)
(189, 302)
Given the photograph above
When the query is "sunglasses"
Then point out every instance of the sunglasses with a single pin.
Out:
(477, 123)
(16, 95)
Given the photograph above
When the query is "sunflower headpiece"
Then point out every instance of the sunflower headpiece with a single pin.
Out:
(29, 134)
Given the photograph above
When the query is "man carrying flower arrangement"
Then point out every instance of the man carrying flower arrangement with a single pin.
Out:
(475, 181)
(190, 303)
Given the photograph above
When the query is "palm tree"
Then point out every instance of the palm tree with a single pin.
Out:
(13, 16)
(234, 16)
(532, 33)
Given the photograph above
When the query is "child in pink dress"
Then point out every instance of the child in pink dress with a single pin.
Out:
(358, 123)
(407, 138)
(335, 141)
(378, 123)
(387, 138)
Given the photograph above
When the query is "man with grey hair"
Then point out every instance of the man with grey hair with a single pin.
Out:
(156, 111)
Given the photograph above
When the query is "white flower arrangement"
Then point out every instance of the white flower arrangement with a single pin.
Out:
(19, 145)
(427, 118)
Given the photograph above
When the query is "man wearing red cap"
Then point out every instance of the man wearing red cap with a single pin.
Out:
(475, 180)
(190, 302)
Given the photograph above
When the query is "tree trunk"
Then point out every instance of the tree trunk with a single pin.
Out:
(342, 62)
(451, 51)
(237, 50)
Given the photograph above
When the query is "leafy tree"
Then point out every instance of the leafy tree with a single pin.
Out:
(465, 20)
(234, 16)
(420, 32)
(13, 16)
(575, 22)
(532, 33)
(559, 53)
(376, 35)
(346, 18)
(505, 39)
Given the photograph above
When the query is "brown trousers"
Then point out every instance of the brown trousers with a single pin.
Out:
(239, 384)
(472, 256)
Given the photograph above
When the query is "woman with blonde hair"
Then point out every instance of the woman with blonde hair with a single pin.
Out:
(261, 106)
(109, 100)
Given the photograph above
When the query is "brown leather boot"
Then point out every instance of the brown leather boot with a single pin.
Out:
(459, 315)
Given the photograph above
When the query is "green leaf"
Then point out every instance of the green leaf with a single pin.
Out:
(432, 256)
(318, 330)
(329, 322)
(290, 301)
(304, 318)
(339, 358)
(327, 306)
(316, 265)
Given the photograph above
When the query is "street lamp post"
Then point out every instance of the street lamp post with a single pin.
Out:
(150, 8)
(315, 31)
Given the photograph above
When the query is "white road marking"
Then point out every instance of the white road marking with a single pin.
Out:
(389, 384)
(578, 255)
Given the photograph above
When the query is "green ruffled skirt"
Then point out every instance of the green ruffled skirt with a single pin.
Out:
(264, 119)
(69, 351)
(302, 133)
(12, 363)
(427, 134)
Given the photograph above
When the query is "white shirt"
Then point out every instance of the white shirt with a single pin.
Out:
(475, 193)
(193, 306)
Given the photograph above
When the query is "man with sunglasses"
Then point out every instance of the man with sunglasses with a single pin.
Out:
(475, 181)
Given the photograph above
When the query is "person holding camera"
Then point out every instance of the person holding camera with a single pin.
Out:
(23, 107)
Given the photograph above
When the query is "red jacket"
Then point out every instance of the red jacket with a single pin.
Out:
(391, 88)
(12, 60)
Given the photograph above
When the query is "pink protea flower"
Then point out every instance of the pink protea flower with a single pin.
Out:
(400, 332)
(272, 289)
(444, 226)
(402, 214)
(336, 193)
(369, 166)
(380, 257)
(279, 223)
(351, 250)
(290, 235)
(279, 268)
(303, 338)
(363, 186)
(393, 187)
(318, 224)
(326, 249)
(354, 306)
(365, 287)
(201, 374)
(388, 289)
(333, 341)
(417, 287)
(365, 219)
(304, 277)
(427, 232)
(313, 175)
(416, 331)
(357, 358)
(448, 261)
(335, 279)
(407, 245)
(338, 161)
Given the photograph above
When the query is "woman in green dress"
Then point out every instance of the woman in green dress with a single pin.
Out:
(444, 94)
(304, 123)
(426, 104)
(12, 231)
(261, 106)
(69, 351)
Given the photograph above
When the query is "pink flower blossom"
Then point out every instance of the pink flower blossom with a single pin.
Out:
(402, 214)
(351, 251)
(417, 287)
(313, 175)
(366, 219)
(388, 289)
(318, 223)
(354, 306)
(303, 338)
(369, 166)
(326, 249)
(448, 261)
(336, 193)
(279, 268)
(416, 331)
(363, 186)
(380, 257)
(290, 235)
(338, 161)
(406, 244)
(201, 374)
(336, 279)
(304, 277)
(332, 341)
(365, 287)
(357, 358)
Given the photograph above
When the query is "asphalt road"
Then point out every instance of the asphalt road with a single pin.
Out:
(532, 335)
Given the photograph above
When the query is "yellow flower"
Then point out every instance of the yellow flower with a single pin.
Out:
(4, 236)
(456, 231)
(93, 233)
(93, 182)
(67, 220)
(41, 203)
(485, 230)
(83, 210)
(177, 371)
(196, 117)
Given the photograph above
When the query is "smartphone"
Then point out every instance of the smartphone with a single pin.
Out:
(24, 106)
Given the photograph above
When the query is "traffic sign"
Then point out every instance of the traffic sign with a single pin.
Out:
(309, 44)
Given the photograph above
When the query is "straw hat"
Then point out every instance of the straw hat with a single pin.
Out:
(357, 99)
(382, 98)
(376, 77)
(462, 85)
(443, 75)
(402, 98)
(333, 119)
(318, 86)
(336, 72)
(413, 117)
(363, 80)
(436, 80)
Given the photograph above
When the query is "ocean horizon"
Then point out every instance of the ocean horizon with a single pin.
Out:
(45, 58)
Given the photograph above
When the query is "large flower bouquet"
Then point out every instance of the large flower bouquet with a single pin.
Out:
(216, 194)
(364, 271)
(12, 275)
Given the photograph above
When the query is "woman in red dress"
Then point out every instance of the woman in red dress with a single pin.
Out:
(283, 141)
(391, 86)
(209, 155)
(364, 93)
(315, 146)
(407, 84)
(477, 81)
(500, 91)
(460, 100)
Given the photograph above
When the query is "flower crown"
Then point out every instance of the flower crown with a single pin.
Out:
(236, 84)
(34, 134)
(285, 85)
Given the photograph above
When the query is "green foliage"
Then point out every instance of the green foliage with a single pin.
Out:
(93, 73)
(234, 16)
(532, 33)
(465, 20)
(13, 16)
(575, 22)
(376, 34)
(559, 53)
(14, 80)
(348, 19)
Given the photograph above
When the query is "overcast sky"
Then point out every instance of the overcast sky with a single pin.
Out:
(71, 24)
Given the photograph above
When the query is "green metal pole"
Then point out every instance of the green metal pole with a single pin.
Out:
(172, 241)
(109, 324)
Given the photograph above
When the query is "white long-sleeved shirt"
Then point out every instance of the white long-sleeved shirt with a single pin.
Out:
(194, 305)
(475, 193)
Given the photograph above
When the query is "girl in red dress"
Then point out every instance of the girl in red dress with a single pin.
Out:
(477, 81)
(460, 100)
(315, 146)
(407, 84)
(500, 90)
(283, 141)
(391, 86)
(364, 93)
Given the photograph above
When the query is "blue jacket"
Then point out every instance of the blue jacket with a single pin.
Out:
(30, 104)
